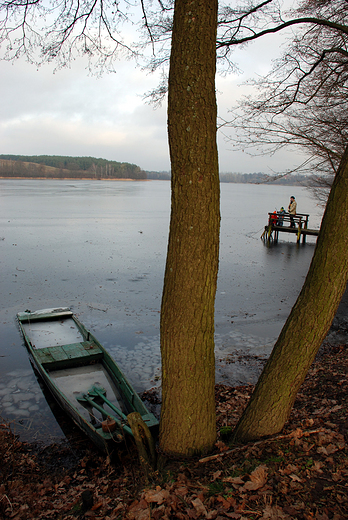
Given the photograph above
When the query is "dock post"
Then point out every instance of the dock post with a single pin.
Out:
(305, 227)
(299, 230)
(298, 234)
(269, 232)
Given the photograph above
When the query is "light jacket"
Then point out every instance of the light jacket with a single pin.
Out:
(292, 207)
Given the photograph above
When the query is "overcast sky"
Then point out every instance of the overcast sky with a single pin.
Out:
(72, 113)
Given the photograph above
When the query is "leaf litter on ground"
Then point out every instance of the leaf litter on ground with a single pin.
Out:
(299, 474)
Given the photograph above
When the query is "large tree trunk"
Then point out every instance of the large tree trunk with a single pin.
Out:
(307, 324)
(187, 315)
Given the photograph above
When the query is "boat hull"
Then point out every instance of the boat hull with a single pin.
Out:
(82, 376)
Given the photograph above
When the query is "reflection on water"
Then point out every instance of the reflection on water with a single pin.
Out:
(99, 248)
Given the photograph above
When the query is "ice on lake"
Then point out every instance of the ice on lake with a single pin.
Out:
(99, 248)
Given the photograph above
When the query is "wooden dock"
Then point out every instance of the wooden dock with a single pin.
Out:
(285, 223)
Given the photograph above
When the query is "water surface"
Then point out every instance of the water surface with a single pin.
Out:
(99, 247)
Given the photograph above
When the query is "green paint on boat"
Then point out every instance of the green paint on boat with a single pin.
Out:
(81, 375)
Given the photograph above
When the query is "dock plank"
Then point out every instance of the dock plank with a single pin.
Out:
(287, 229)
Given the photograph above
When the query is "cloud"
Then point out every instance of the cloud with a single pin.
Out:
(72, 113)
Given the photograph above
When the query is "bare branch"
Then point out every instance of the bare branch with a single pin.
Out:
(289, 23)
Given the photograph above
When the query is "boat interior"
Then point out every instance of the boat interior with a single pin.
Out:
(76, 367)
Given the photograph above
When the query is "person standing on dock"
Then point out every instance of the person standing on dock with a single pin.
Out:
(292, 210)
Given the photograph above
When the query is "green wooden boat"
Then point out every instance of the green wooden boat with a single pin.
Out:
(82, 376)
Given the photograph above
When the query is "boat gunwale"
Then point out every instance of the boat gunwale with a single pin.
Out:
(124, 386)
(44, 314)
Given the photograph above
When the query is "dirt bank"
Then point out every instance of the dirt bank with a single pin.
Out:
(298, 474)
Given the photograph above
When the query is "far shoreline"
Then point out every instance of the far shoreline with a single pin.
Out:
(72, 179)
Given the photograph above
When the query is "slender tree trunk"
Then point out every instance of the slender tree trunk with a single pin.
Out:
(187, 315)
(307, 324)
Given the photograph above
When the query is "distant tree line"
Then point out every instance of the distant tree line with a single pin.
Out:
(246, 178)
(54, 166)
(262, 178)
(158, 176)
(61, 167)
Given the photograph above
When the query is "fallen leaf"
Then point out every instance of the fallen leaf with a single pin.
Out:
(317, 466)
(321, 516)
(139, 510)
(258, 478)
(336, 408)
(181, 490)
(296, 434)
(143, 515)
(275, 513)
(295, 478)
(199, 506)
(331, 448)
(234, 480)
(225, 503)
(157, 497)
(96, 506)
(216, 475)
(221, 446)
(290, 468)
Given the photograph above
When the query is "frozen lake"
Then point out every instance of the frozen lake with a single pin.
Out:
(99, 247)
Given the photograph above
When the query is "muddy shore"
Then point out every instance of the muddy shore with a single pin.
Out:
(299, 474)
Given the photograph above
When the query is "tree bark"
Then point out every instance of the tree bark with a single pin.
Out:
(307, 324)
(187, 316)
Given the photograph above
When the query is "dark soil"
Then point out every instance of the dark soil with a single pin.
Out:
(298, 474)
